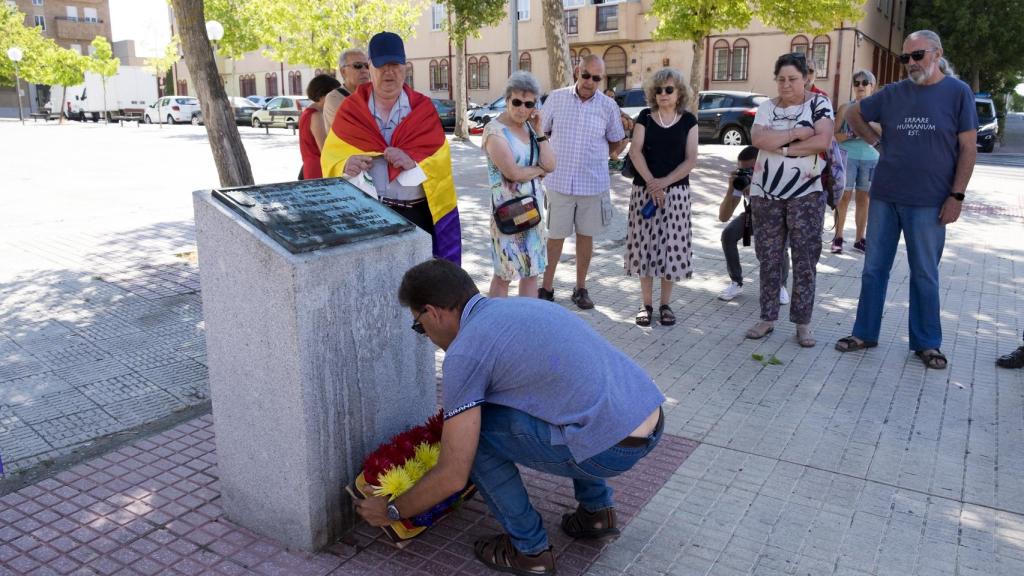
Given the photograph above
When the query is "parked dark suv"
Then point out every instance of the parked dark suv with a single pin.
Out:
(988, 123)
(726, 117)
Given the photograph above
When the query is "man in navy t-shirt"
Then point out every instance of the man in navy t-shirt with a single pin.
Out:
(524, 382)
(929, 133)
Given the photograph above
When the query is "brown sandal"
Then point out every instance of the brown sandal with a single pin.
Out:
(933, 358)
(852, 343)
(498, 553)
(590, 525)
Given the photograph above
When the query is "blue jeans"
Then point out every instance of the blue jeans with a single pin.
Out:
(859, 174)
(925, 238)
(509, 437)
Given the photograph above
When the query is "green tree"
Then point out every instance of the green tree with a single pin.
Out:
(103, 62)
(310, 32)
(35, 47)
(466, 18)
(696, 20)
(161, 65)
(983, 40)
(63, 68)
(559, 62)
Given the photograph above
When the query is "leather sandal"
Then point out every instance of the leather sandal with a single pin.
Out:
(933, 358)
(643, 316)
(590, 525)
(498, 553)
(760, 330)
(667, 316)
(804, 337)
(852, 343)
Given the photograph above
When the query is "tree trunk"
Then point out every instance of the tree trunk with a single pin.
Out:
(63, 105)
(106, 113)
(696, 74)
(221, 130)
(459, 90)
(559, 64)
(976, 80)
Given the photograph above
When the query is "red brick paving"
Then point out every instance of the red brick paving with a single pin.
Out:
(153, 508)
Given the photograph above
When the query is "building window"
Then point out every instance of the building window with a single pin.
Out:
(37, 2)
(607, 18)
(247, 85)
(433, 74)
(819, 51)
(408, 74)
(572, 22)
(71, 13)
(720, 71)
(473, 73)
(90, 15)
(438, 15)
(445, 78)
(295, 82)
(740, 52)
(484, 71)
(41, 22)
(573, 3)
(331, 73)
(799, 44)
(182, 88)
(615, 68)
(439, 74)
(574, 60)
(75, 48)
(270, 81)
(523, 7)
(524, 62)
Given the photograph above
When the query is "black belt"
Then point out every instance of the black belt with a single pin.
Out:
(402, 203)
(637, 442)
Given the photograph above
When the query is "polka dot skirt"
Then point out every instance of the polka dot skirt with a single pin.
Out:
(660, 246)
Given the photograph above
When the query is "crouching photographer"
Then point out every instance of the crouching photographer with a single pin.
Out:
(741, 227)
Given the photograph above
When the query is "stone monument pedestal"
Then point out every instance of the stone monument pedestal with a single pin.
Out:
(312, 365)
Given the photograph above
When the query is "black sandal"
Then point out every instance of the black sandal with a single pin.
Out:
(933, 358)
(668, 317)
(852, 343)
(643, 317)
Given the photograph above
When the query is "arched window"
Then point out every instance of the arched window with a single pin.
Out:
(615, 68)
(408, 74)
(247, 85)
(524, 62)
(799, 44)
(574, 60)
(820, 53)
(473, 73)
(433, 75)
(295, 82)
(485, 73)
(271, 83)
(182, 88)
(740, 55)
(331, 73)
(720, 50)
(444, 78)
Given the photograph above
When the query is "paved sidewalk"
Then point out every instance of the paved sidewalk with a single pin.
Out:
(860, 463)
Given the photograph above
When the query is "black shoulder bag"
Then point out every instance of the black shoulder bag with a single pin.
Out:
(521, 213)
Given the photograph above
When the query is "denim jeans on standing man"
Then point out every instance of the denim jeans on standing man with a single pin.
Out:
(509, 437)
(925, 238)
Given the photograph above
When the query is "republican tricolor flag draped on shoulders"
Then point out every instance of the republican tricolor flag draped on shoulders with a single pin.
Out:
(421, 136)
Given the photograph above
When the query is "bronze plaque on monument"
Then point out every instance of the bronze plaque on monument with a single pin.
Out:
(308, 215)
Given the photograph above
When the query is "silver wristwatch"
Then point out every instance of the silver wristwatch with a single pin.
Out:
(393, 514)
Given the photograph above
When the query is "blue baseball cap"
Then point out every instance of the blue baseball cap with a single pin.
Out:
(386, 48)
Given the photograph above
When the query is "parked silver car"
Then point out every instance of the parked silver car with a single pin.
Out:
(281, 111)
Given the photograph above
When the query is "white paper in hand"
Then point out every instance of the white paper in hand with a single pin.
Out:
(412, 177)
(364, 182)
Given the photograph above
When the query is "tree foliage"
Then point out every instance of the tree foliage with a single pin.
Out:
(982, 40)
(102, 60)
(40, 54)
(695, 20)
(310, 32)
(466, 18)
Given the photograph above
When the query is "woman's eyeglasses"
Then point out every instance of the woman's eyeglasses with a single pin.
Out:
(358, 65)
(859, 83)
(776, 116)
(917, 55)
(589, 76)
(516, 102)
(666, 89)
(417, 327)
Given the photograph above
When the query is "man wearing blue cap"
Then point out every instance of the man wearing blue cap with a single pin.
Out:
(394, 135)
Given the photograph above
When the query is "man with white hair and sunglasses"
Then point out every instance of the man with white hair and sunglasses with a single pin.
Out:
(929, 133)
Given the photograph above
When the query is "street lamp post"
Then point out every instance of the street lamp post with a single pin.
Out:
(15, 54)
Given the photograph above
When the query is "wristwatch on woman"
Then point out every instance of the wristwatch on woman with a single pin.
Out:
(958, 195)
(542, 139)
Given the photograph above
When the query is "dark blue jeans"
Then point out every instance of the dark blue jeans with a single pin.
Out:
(509, 437)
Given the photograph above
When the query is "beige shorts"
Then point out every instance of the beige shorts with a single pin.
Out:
(588, 215)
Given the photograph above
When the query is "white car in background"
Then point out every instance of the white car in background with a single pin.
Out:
(171, 109)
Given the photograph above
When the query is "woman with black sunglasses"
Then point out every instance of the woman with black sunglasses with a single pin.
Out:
(861, 159)
(663, 152)
(786, 195)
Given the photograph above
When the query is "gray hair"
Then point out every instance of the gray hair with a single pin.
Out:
(345, 54)
(944, 66)
(865, 74)
(667, 75)
(522, 81)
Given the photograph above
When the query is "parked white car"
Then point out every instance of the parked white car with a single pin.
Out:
(281, 111)
(171, 109)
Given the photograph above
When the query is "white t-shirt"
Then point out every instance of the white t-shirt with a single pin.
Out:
(780, 177)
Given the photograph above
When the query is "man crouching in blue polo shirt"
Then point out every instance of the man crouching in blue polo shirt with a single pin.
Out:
(525, 382)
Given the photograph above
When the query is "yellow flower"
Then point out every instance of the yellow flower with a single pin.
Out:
(414, 469)
(394, 483)
(427, 454)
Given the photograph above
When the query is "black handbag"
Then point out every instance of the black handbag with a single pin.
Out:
(521, 213)
(627, 168)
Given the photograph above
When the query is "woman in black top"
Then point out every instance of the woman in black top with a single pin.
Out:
(663, 152)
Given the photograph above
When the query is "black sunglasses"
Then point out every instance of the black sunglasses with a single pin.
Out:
(589, 76)
(516, 102)
(666, 89)
(358, 65)
(417, 327)
(917, 55)
(858, 83)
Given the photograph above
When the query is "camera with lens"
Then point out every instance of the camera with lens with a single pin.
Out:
(741, 178)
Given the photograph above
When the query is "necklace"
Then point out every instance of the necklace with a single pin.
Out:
(661, 121)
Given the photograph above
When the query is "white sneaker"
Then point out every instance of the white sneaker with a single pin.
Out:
(783, 296)
(731, 291)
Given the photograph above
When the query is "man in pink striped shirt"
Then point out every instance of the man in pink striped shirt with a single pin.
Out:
(585, 130)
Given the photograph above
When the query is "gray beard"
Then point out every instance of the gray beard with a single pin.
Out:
(922, 76)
